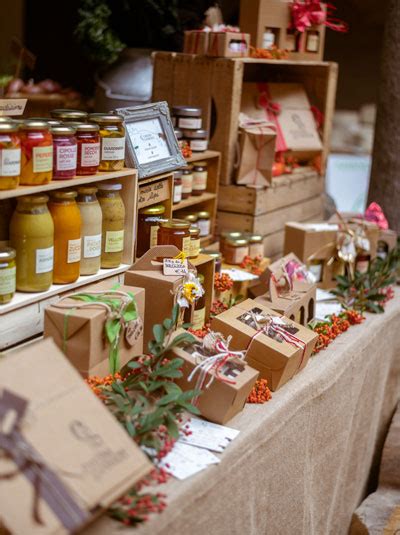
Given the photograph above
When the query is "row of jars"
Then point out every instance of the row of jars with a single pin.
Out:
(187, 121)
(36, 151)
(58, 239)
(190, 181)
(235, 246)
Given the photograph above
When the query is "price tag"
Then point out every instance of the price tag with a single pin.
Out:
(175, 266)
(12, 106)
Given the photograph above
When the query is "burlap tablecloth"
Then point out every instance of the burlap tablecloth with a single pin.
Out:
(301, 462)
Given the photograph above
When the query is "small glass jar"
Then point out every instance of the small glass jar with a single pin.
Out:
(8, 272)
(256, 246)
(179, 137)
(65, 152)
(10, 156)
(268, 39)
(113, 210)
(92, 218)
(177, 187)
(194, 242)
(175, 232)
(192, 218)
(67, 236)
(32, 237)
(66, 115)
(112, 140)
(88, 139)
(312, 42)
(233, 235)
(236, 250)
(187, 182)
(148, 224)
(37, 153)
(362, 262)
(187, 117)
(204, 223)
(197, 139)
(200, 176)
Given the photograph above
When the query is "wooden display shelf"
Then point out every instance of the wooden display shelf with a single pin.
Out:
(192, 201)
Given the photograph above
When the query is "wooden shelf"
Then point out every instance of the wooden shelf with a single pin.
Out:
(61, 184)
(192, 201)
(207, 154)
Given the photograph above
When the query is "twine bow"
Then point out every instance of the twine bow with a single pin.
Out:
(308, 13)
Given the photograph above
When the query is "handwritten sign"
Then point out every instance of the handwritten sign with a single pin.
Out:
(12, 106)
(153, 193)
(175, 266)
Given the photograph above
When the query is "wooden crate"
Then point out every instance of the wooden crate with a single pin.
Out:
(215, 85)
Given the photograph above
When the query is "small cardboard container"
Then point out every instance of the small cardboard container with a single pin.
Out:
(221, 401)
(297, 306)
(389, 237)
(257, 153)
(229, 44)
(196, 42)
(85, 345)
(84, 459)
(276, 359)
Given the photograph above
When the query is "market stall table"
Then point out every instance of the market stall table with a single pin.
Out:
(302, 461)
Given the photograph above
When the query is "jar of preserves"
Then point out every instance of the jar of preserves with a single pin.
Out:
(65, 152)
(204, 223)
(91, 220)
(67, 236)
(10, 156)
(112, 140)
(187, 182)
(148, 223)
(256, 246)
(177, 187)
(32, 237)
(113, 225)
(7, 274)
(88, 139)
(197, 139)
(194, 242)
(175, 232)
(200, 176)
(36, 153)
(236, 250)
(187, 117)
(66, 115)
(234, 235)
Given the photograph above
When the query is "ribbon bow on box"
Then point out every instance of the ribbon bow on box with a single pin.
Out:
(308, 13)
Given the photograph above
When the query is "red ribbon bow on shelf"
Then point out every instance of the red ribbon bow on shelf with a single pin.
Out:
(307, 13)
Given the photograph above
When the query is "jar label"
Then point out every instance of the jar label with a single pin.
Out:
(192, 123)
(194, 247)
(44, 260)
(42, 159)
(90, 155)
(200, 180)
(186, 247)
(199, 319)
(238, 254)
(113, 148)
(91, 246)
(256, 249)
(10, 162)
(66, 157)
(187, 183)
(74, 251)
(7, 280)
(114, 241)
(199, 145)
(153, 235)
(177, 193)
(204, 226)
(312, 43)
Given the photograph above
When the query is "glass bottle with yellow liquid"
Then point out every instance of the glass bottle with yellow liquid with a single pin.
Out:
(113, 211)
(92, 218)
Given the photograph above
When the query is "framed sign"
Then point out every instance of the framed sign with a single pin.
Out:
(151, 145)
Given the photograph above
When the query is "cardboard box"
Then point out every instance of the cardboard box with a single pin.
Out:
(277, 360)
(222, 400)
(85, 459)
(79, 332)
(229, 44)
(389, 238)
(196, 42)
(257, 153)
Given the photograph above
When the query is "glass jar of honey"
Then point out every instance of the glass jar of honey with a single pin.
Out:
(204, 223)
(256, 246)
(7, 274)
(65, 152)
(10, 156)
(92, 218)
(194, 242)
(236, 250)
(200, 177)
(67, 115)
(187, 182)
(148, 224)
(175, 232)
(88, 139)
(112, 140)
(36, 153)
(113, 210)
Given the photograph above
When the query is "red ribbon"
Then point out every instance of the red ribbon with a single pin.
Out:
(272, 109)
(308, 13)
(374, 214)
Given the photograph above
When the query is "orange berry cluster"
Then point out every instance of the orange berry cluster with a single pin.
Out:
(218, 307)
(252, 264)
(260, 392)
(272, 53)
(186, 150)
(95, 382)
(328, 330)
(222, 282)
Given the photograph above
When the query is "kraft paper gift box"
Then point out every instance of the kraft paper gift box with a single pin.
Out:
(276, 359)
(62, 446)
(196, 42)
(389, 238)
(80, 332)
(229, 44)
(221, 401)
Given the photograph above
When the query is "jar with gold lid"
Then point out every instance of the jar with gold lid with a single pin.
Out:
(67, 115)
(10, 156)
(65, 152)
(148, 224)
(234, 235)
(88, 139)
(112, 140)
(48, 120)
(256, 245)
(113, 227)
(187, 182)
(200, 177)
(175, 232)
(235, 250)
(177, 197)
(36, 153)
(204, 223)
(192, 218)
(7, 274)
(194, 242)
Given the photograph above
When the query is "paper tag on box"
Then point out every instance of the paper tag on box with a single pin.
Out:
(175, 266)
(12, 106)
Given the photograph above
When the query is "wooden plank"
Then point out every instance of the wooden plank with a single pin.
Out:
(162, 79)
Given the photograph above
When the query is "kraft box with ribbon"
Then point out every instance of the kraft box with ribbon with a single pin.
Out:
(275, 346)
(221, 375)
(99, 328)
(63, 457)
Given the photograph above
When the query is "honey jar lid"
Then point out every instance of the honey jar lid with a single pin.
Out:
(48, 120)
(34, 199)
(175, 223)
(106, 118)
(239, 242)
(8, 127)
(187, 170)
(196, 134)
(256, 238)
(214, 254)
(156, 209)
(204, 215)
(35, 125)
(186, 111)
(65, 113)
(61, 195)
(194, 231)
(6, 120)
(62, 130)
(87, 190)
(85, 127)
(191, 217)
(7, 253)
(109, 187)
(232, 235)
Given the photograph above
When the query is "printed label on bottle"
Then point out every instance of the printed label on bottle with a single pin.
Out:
(114, 241)
(187, 183)
(238, 254)
(199, 319)
(186, 245)
(90, 154)
(10, 162)
(195, 247)
(44, 260)
(66, 157)
(204, 226)
(191, 123)
(74, 251)
(177, 193)
(312, 43)
(42, 159)
(91, 246)
(153, 235)
(199, 145)
(113, 148)
(7, 280)
(200, 180)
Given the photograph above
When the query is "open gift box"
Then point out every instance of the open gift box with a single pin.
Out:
(275, 346)
(196, 42)
(229, 44)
